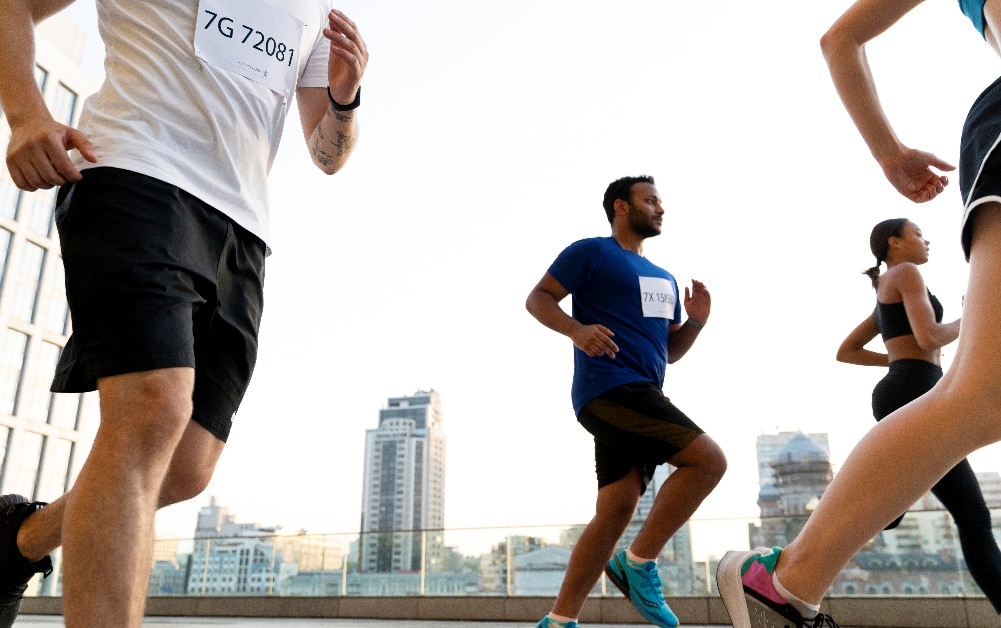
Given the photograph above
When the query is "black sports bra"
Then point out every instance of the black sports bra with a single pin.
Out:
(891, 318)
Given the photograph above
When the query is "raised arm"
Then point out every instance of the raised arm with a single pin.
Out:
(37, 155)
(328, 121)
(682, 336)
(908, 170)
(544, 304)
(853, 351)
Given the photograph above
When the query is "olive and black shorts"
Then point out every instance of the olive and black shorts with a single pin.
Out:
(635, 425)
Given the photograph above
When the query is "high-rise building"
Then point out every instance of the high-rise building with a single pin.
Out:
(44, 437)
(403, 495)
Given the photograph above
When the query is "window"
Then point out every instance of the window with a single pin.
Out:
(11, 364)
(57, 469)
(34, 400)
(23, 471)
(41, 77)
(52, 312)
(64, 104)
(24, 281)
(9, 196)
(36, 210)
(5, 238)
(4, 440)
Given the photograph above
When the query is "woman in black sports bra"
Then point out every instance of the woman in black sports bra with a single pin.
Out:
(909, 318)
(905, 454)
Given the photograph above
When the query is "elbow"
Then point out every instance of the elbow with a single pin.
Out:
(927, 342)
(833, 41)
(328, 167)
(530, 303)
(842, 356)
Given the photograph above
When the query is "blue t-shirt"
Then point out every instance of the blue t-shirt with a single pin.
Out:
(629, 295)
(974, 9)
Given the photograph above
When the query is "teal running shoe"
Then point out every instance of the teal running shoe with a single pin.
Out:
(641, 586)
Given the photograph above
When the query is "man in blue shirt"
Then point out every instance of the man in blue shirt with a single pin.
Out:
(626, 327)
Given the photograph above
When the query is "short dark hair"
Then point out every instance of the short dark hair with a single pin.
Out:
(621, 189)
(879, 244)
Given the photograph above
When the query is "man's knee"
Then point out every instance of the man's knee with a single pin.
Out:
(180, 487)
(704, 456)
(149, 409)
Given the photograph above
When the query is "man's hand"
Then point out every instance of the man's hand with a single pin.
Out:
(697, 301)
(911, 173)
(37, 155)
(348, 57)
(595, 340)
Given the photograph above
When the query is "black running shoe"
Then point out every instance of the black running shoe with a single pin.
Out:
(15, 569)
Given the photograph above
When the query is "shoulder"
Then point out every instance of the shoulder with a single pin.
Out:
(905, 272)
(586, 246)
(901, 279)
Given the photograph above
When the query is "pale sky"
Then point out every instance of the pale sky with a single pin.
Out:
(489, 132)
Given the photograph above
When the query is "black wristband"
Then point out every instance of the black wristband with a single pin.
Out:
(348, 107)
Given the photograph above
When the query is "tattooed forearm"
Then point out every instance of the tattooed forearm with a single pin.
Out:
(331, 147)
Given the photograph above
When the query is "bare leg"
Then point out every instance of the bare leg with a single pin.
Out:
(909, 451)
(190, 471)
(700, 466)
(108, 520)
(614, 510)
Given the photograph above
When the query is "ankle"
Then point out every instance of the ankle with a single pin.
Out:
(560, 620)
(638, 561)
(806, 609)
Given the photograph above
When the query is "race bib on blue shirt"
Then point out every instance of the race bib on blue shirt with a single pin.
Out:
(658, 297)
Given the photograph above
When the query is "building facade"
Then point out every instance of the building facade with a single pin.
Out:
(44, 437)
(798, 472)
(403, 491)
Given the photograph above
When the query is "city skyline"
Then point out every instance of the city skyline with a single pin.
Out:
(449, 212)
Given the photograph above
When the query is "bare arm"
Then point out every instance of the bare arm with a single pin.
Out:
(908, 170)
(544, 304)
(330, 134)
(853, 351)
(37, 155)
(929, 334)
(681, 337)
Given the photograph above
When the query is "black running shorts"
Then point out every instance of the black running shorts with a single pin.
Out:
(155, 278)
(635, 425)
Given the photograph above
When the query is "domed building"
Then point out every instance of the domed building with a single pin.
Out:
(801, 472)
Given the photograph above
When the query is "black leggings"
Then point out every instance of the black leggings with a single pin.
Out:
(958, 490)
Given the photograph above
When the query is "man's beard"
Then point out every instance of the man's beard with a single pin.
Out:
(642, 225)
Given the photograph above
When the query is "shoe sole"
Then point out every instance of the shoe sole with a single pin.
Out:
(620, 584)
(731, 588)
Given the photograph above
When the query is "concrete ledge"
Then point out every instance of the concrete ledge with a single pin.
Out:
(860, 612)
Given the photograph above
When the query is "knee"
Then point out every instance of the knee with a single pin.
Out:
(148, 411)
(617, 513)
(182, 486)
(706, 458)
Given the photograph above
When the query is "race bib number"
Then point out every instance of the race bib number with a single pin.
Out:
(254, 39)
(658, 297)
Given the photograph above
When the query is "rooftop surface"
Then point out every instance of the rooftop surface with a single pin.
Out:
(238, 622)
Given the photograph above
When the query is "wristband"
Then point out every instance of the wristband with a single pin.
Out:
(696, 324)
(348, 107)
